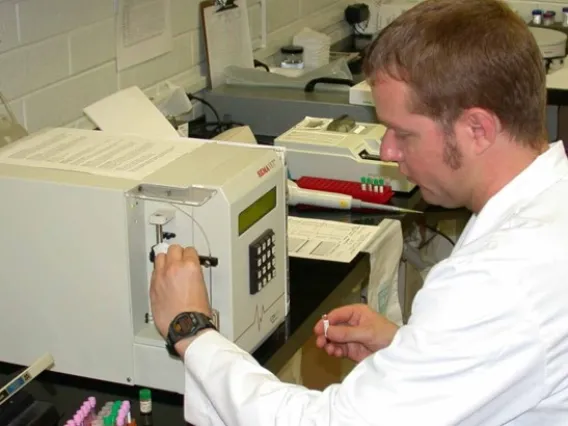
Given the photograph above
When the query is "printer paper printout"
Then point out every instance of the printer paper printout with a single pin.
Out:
(127, 157)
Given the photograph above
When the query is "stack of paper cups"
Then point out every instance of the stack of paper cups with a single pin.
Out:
(316, 47)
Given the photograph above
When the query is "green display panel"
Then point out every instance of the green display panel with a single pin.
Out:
(257, 210)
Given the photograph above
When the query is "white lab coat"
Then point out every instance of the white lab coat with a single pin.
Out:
(487, 343)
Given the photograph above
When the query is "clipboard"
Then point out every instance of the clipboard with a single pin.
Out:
(222, 5)
(226, 33)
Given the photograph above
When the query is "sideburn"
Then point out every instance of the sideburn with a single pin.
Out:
(452, 155)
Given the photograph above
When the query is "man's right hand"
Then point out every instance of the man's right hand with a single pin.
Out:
(355, 332)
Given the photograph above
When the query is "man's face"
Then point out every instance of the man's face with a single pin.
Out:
(425, 154)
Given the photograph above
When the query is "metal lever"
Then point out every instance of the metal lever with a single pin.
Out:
(205, 261)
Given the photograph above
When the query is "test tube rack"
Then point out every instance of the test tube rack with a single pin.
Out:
(116, 413)
(372, 190)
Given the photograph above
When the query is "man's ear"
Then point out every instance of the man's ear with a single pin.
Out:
(480, 128)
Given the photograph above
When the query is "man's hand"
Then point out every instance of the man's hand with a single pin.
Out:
(177, 286)
(355, 332)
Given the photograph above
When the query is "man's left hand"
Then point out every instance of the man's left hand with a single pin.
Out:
(177, 286)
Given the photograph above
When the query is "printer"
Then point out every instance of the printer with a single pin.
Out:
(341, 149)
(81, 213)
(360, 94)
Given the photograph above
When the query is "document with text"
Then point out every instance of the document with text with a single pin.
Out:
(99, 153)
(328, 240)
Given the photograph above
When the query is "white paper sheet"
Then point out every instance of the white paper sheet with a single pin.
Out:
(143, 31)
(93, 152)
(129, 111)
(328, 240)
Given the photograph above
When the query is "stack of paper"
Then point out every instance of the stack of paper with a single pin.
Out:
(316, 47)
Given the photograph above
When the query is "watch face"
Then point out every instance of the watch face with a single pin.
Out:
(183, 325)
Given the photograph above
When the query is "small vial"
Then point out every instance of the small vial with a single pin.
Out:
(325, 324)
(292, 57)
(549, 17)
(375, 185)
(381, 186)
(537, 17)
(92, 401)
(146, 407)
(105, 411)
(86, 413)
(123, 412)
(363, 184)
(78, 419)
(126, 407)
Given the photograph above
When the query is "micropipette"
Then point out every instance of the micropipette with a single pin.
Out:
(312, 197)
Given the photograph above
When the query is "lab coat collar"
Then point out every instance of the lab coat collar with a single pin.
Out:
(544, 171)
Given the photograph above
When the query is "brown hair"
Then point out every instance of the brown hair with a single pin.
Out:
(459, 54)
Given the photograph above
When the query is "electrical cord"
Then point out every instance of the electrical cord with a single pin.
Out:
(258, 64)
(202, 129)
(206, 103)
(209, 129)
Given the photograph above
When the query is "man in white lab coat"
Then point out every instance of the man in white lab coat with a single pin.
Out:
(461, 87)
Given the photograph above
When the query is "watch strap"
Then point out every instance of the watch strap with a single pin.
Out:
(199, 321)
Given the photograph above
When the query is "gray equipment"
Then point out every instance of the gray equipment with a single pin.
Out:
(273, 111)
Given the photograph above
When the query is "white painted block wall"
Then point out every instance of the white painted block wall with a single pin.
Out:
(58, 56)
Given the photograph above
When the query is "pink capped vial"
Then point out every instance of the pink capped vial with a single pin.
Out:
(78, 418)
(120, 421)
(92, 401)
(126, 407)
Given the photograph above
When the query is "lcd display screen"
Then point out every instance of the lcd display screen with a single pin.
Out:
(257, 210)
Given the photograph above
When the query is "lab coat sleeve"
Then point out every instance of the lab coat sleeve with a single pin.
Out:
(470, 355)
